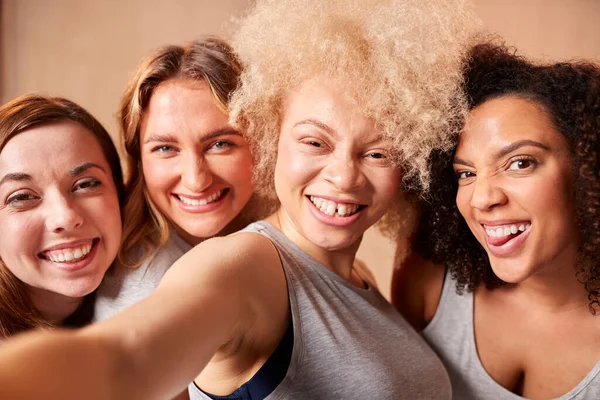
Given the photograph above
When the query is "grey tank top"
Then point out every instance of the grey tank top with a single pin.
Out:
(451, 335)
(349, 343)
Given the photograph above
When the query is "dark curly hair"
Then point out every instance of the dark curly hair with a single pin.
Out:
(570, 94)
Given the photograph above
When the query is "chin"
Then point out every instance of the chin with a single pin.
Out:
(512, 273)
(334, 242)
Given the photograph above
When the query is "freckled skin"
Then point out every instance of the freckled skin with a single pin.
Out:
(54, 207)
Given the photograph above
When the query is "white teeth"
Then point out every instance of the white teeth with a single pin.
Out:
(330, 209)
(200, 202)
(334, 209)
(69, 255)
(506, 230)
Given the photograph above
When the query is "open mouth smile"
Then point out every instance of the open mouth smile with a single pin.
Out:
(67, 255)
(335, 209)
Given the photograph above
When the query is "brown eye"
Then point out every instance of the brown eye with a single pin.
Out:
(463, 175)
(521, 164)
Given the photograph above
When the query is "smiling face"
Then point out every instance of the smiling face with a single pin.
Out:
(515, 188)
(333, 176)
(198, 170)
(60, 222)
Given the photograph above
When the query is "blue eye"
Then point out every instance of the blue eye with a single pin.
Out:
(222, 144)
(162, 149)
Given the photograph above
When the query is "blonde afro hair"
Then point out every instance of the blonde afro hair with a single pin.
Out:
(400, 61)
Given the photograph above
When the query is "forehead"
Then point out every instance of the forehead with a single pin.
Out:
(48, 148)
(182, 105)
(499, 122)
(326, 101)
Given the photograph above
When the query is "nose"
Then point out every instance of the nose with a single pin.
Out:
(486, 194)
(344, 172)
(196, 174)
(62, 215)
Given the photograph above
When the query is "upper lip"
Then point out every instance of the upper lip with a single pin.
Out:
(68, 245)
(200, 196)
(336, 200)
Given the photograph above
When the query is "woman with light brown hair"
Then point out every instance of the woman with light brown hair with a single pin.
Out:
(190, 171)
(60, 221)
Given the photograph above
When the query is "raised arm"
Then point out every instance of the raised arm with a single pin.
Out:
(213, 294)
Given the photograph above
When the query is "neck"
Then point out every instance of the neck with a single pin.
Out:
(235, 225)
(339, 261)
(53, 307)
(554, 290)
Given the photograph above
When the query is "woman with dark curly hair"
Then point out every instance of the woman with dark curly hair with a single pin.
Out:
(515, 218)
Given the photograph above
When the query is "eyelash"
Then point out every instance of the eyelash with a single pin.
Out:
(19, 197)
(94, 183)
(221, 144)
(531, 160)
(533, 163)
(457, 175)
(162, 149)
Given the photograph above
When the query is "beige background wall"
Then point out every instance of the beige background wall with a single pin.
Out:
(86, 50)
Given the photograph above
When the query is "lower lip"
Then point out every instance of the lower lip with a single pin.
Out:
(203, 208)
(80, 264)
(330, 220)
(509, 247)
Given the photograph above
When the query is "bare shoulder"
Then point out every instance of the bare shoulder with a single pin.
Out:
(238, 254)
(244, 265)
(416, 289)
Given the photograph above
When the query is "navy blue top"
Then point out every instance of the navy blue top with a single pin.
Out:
(269, 376)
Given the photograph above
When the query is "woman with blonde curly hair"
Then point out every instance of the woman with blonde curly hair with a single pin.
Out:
(338, 100)
(190, 171)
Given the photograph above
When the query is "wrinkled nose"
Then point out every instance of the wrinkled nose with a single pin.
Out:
(486, 194)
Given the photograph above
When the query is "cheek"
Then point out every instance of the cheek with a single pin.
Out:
(21, 236)
(105, 213)
(389, 181)
(235, 170)
(295, 166)
(463, 202)
(158, 174)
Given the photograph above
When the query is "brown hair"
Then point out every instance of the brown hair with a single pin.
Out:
(17, 312)
(211, 60)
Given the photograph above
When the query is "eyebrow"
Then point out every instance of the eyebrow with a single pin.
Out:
(517, 145)
(168, 138)
(15, 176)
(506, 150)
(318, 124)
(80, 169)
